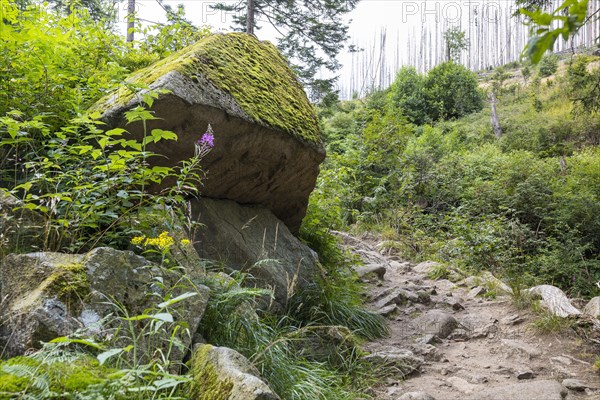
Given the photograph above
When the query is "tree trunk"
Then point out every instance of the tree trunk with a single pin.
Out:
(250, 11)
(494, 118)
(130, 19)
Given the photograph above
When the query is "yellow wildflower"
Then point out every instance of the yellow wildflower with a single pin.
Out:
(138, 240)
(185, 242)
(163, 241)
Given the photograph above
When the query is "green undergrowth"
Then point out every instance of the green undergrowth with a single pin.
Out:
(523, 206)
(39, 378)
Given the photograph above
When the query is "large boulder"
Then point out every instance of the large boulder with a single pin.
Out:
(267, 137)
(47, 295)
(253, 240)
(221, 373)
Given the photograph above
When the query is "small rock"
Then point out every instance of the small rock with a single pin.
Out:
(402, 361)
(561, 360)
(430, 339)
(387, 310)
(399, 266)
(520, 348)
(416, 396)
(593, 307)
(397, 296)
(575, 384)
(426, 267)
(555, 300)
(370, 271)
(512, 320)
(476, 291)
(525, 374)
(436, 322)
(461, 384)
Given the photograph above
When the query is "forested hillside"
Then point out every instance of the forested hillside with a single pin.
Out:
(420, 164)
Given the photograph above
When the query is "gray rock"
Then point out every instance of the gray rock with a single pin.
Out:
(400, 266)
(397, 296)
(435, 322)
(555, 300)
(476, 291)
(53, 294)
(387, 310)
(267, 138)
(530, 390)
(514, 319)
(426, 267)
(592, 308)
(226, 373)
(416, 396)
(367, 272)
(525, 373)
(396, 361)
(515, 347)
(253, 240)
(575, 384)
(462, 385)
(430, 339)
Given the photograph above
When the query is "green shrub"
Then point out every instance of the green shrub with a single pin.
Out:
(548, 65)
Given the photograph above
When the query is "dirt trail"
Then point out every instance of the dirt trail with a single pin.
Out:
(453, 343)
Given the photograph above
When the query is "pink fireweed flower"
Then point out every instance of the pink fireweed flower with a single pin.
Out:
(206, 142)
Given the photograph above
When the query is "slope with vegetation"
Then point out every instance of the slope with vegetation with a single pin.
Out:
(419, 163)
(83, 188)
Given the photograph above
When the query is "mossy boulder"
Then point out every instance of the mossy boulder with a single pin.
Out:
(47, 295)
(220, 373)
(267, 137)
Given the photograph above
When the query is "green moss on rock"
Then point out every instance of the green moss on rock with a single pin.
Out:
(69, 283)
(18, 374)
(206, 384)
(253, 73)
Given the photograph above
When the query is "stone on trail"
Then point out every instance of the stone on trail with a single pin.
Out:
(416, 396)
(366, 272)
(555, 300)
(575, 384)
(426, 267)
(267, 139)
(592, 308)
(396, 361)
(530, 390)
(515, 347)
(435, 322)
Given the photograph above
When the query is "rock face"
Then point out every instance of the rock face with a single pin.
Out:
(48, 295)
(267, 137)
(221, 373)
(252, 239)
